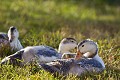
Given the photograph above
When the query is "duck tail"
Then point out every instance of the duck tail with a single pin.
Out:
(14, 59)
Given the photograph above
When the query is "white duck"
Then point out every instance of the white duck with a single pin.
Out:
(42, 53)
(90, 63)
(11, 39)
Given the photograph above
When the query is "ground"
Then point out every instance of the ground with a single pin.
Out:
(48, 22)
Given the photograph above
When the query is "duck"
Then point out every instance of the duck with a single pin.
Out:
(11, 39)
(86, 61)
(41, 53)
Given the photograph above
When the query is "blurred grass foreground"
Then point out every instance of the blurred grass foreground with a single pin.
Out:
(48, 21)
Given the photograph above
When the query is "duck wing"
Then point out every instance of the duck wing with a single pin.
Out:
(88, 66)
(85, 62)
(3, 36)
(71, 66)
(60, 66)
(44, 53)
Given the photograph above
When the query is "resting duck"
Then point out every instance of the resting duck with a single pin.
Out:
(11, 39)
(87, 60)
(42, 53)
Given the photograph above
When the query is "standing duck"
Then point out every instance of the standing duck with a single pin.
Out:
(11, 39)
(42, 53)
(87, 60)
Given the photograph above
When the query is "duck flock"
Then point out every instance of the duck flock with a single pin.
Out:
(85, 60)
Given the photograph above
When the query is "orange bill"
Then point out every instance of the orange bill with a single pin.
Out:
(78, 55)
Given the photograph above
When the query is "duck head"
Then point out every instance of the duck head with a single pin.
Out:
(87, 48)
(13, 34)
(67, 44)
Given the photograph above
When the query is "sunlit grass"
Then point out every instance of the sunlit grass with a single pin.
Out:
(48, 22)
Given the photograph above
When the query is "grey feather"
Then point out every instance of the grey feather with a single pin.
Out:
(60, 66)
(77, 67)
(47, 51)
(3, 36)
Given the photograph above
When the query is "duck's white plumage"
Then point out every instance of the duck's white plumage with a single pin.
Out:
(42, 53)
(90, 50)
(91, 63)
(13, 36)
(11, 39)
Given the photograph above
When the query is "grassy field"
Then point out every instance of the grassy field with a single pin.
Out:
(48, 21)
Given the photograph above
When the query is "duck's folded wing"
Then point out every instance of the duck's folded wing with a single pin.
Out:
(91, 65)
(61, 66)
(45, 53)
(3, 36)
(86, 66)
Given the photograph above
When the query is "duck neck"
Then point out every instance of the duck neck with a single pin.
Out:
(16, 45)
(99, 59)
(62, 49)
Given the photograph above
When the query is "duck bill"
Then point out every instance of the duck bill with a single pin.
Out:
(78, 55)
(11, 38)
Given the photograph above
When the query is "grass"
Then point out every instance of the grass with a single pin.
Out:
(47, 22)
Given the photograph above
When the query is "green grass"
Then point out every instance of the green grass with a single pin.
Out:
(48, 22)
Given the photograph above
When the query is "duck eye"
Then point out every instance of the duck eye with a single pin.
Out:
(82, 45)
(72, 41)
